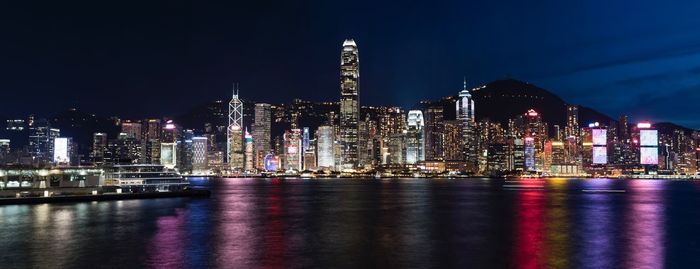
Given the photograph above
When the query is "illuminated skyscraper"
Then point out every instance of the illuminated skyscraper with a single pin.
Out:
(453, 141)
(168, 154)
(465, 114)
(61, 150)
(4, 149)
(292, 150)
(397, 148)
(151, 141)
(305, 141)
(200, 147)
(234, 133)
(99, 147)
(349, 103)
(325, 136)
(572, 122)
(262, 128)
(624, 128)
(249, 152)
(415, 148)
(434, 133)
(170, 132)
(41, 140)
(132, 128)
(535, 133)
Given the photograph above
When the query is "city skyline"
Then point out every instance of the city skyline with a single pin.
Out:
(615, 67)
(248, 134)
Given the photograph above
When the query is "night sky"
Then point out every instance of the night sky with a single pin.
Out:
(149, 58)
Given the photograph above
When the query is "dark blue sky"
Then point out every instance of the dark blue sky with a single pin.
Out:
(147, 58)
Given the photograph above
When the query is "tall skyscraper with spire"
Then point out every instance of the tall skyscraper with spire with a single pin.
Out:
(465, 115)
(349, 104)
(234, 132)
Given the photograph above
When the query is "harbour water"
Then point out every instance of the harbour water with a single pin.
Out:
(342, 223)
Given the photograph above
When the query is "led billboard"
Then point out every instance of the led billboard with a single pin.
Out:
(600, 137)
(648, 138)
(60, 150)
(649, 155)
(600, 155)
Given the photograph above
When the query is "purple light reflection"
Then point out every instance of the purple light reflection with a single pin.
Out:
(167, 247)
(646, 216)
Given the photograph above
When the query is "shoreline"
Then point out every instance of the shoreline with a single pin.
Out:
(645, 177)
(193, 193)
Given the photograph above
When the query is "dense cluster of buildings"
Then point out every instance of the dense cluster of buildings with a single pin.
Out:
(435, 138)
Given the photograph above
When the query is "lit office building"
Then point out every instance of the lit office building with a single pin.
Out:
(397, 148)
(517, 153)
(572, 122)
(199, 155)
(434, 133)
(558, 152)
(99, 147)
(132, 129)
(152, 139)
(305, 140)
(62, 150)
(234, 134)
(16, 125)
(41, 141)
(325, 140)
(292, 150)
(262, 130)
(4, 151)
(534, 134)
(171, 132)
(349, 104)
(168, 155)
(453, 141)
(186, 150)
(465, 114)
(124, 150)
(392, 120)
(414, 137)
(368, 135)
(624, 128)
(310, 159)
(249, 162)
(5, 146)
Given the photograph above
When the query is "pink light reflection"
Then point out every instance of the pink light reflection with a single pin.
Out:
(167, 247)
(646, 234)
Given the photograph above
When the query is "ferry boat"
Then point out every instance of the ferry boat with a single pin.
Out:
(144, 178)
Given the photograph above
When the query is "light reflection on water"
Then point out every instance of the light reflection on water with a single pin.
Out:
(274, 223)
(646, 234)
